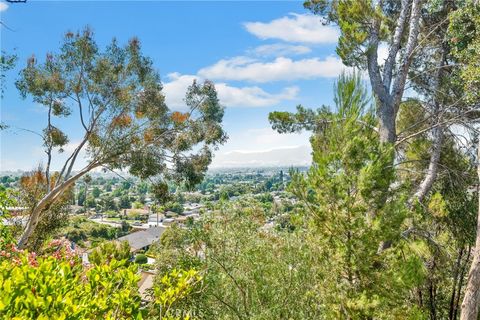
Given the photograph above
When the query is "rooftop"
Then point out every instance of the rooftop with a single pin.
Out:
(141, 239)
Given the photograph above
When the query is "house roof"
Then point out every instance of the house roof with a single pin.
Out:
(141, 239)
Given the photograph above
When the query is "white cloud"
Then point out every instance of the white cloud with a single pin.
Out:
(247, 69)
(176, 88)
(68, 149)
(37, 157)
(71, 146)
(229, 96)
(279, 49)
(252, 96)
(301, 28)
(3, 6)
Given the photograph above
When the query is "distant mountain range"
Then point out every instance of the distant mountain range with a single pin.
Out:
(281, 157)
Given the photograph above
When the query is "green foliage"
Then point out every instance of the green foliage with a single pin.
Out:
(81, 197)
(57, 286)
(108, 203)
(286, 122)
(110, 250)
(90, 202)
(135, 214)
(125, 202)
(127, 125)
(142, 188)
(464, 34)
(171, 292)
(352, 20)
(161, 193)
(54, 288)
(96, 192)
(6, 236)
(445, 219)
(125, 226)
(80, 230)
(248, 271)
(141, 258)
(351, 90)
(137, 205)
(348, 198)
(174, 207)
(7, 62)
(323, 258)
(356, 18)
(345, 194)
(248, 259)
(33, 186)
(182, 283)
(126, 185)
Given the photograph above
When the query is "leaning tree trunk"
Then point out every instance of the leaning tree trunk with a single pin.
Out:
(50, 197)
(471, 301)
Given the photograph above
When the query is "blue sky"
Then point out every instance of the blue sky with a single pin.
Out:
(262, 56)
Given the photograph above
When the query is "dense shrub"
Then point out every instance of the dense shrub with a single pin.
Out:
(57, 286)
(101, 232)
(141, 258)
(107, 251)
(80, 229)
(76, 235)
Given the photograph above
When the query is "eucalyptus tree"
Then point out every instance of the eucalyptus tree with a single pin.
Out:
(32, 188)
(437, 76)
(465, 37)
(434, 141)
(445, 217)
(413, 33)
(365, 27)
(7, 62)
(116, 96)
(471, 301)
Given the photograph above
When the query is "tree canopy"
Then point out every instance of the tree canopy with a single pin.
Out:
(116, 96)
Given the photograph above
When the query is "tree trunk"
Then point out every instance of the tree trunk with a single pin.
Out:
(438, 134)
(432, 170)
(456, 274)
(471, 301)
(389, 97)
(460, 282)
(387, 127)
(50, 197)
